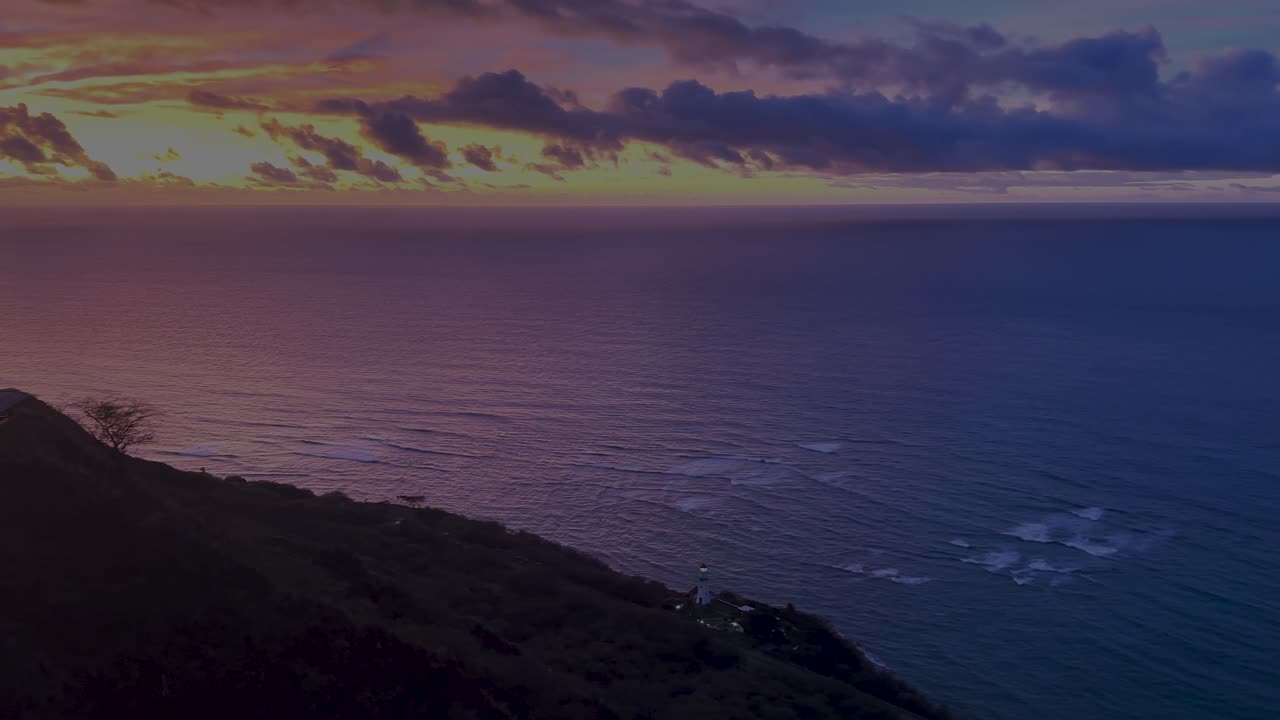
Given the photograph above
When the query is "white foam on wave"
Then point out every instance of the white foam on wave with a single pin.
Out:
(959, 542)
(826, 446)
(1093, 548)
(904, 580)
(1070, 532)
(888, 573)
(1090, 513)
(1042, 565)
(996, 560)
(1037, 567)
(874, 660)
(1031, 532)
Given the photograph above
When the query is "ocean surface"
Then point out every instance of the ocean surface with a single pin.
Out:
(1031, 465)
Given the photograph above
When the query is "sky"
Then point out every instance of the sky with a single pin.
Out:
(637, 102)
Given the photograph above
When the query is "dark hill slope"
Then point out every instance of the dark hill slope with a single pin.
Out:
(132, 589)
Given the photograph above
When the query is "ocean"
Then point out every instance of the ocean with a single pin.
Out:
(1031, 464)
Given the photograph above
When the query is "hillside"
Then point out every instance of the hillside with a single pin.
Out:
(132, 589)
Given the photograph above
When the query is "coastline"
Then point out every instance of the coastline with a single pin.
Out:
(499, 603)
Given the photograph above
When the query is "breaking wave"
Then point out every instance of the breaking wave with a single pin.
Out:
(1090, 513)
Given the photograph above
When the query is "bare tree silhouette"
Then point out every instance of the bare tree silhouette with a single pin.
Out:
(121, 423)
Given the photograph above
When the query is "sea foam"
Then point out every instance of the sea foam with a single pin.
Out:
(887, 573)
(904, 580)
(996, 560)
(1070, 530)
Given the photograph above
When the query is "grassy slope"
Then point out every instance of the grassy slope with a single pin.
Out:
(133, 589)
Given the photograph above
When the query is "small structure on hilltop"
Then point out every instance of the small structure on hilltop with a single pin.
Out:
(703, 594)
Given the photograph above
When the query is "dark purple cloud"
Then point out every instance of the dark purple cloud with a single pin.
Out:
(269, 175)
(923, 105)
(398, 134)
(339, 154)
(1114, 116)
(213, 101)
(105, 114)
(479, 156)
(550, 170)
(21, 149)
(943, 62)
(942, 59)
(39, 142)
(274, 175)
(566, 157)
(320, 173)
(500, 100)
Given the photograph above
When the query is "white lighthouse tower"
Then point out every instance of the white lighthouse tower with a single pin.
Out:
(703, 596)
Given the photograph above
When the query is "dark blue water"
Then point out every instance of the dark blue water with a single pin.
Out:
(1032, 466)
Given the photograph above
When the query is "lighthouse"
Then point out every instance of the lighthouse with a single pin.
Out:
(703, 596)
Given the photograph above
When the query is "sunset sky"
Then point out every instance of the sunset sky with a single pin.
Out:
(637, 101)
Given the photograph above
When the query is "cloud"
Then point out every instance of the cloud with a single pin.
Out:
(566, 157)
(164, 178)
(321, 173)
(274, 175)
(169, 155)
(941, 58)
(105, 114)
(1255, 189)
(944, 98)
(339, 154)
(21, 149)
(213, 101)
(39, 142)
(479, 156)
(364, 49)
(505, 100)
(1110, 119)
(397, 134)
(1249, 73)
(946, 62)
(126, 93)
(267, 175)
(551, 171)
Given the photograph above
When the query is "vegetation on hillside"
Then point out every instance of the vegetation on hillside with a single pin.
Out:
(118, 423)
(132, 589)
